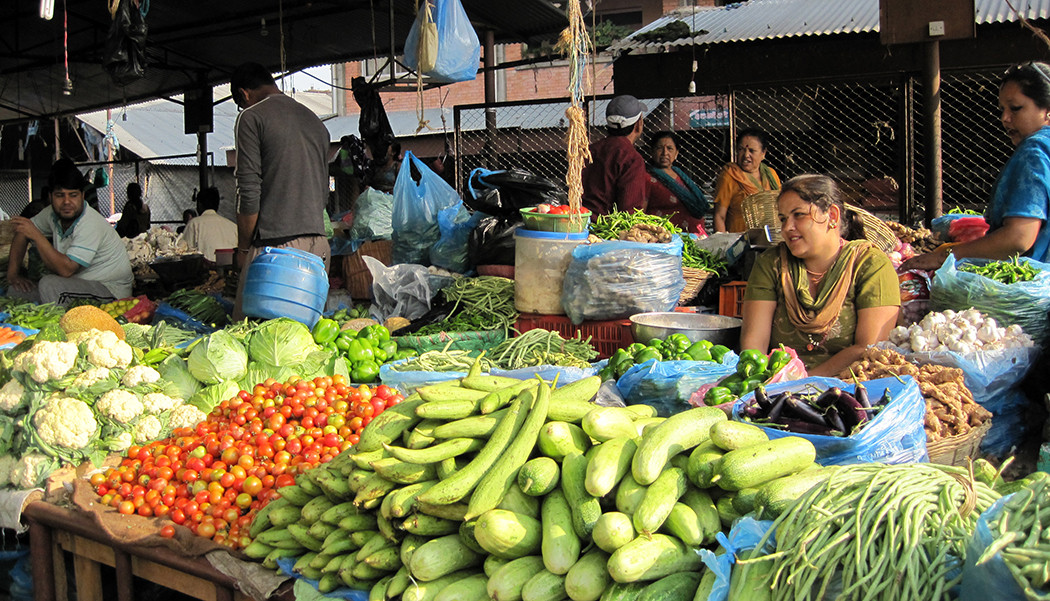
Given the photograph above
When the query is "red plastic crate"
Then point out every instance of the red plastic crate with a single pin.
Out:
(606, 336)
(731, 299)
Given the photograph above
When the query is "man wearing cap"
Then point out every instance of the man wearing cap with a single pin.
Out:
(87, 258)
(616, 178)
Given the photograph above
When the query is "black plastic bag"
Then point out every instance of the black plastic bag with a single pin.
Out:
(492, 241)
(124, 55)
(504, 193)
(373, 125)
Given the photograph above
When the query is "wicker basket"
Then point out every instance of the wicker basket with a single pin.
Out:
(955, 450)
(760, 210)
(355, 272)
(875, 230)
(694, 281)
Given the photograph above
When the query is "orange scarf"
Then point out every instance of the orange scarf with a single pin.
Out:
(829, 300)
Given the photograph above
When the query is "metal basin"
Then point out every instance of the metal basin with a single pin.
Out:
(719, 329)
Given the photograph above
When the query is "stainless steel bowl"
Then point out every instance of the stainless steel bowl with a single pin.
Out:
(719, 329)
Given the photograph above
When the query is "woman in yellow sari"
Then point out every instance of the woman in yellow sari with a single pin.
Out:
(745, 176)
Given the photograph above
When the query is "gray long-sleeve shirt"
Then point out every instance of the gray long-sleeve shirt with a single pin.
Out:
(282, 169)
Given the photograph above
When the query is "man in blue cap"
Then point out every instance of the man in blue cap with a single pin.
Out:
(616, 178)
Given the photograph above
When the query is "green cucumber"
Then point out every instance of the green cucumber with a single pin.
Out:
(538, 476)
(684, 523)
(612, 531)
(559, 546)
(680, 432)
(606, 423)
(508, 534)
(585, 507)
(608, 464)
(629, 495)
(703, 463)
(442, 556)
(389, 425)
(757, 464)
(659, 499)
(706, 513)
(776, 496)
(479, 426)
(544, 586)
(471, 588)
(651, 558)
(558, 439)
(676, 587)
(730, 435)
(508, 581)
(589, 577)
(436, 453)
(517, 501)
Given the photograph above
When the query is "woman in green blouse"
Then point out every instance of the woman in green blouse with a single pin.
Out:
(816, 292)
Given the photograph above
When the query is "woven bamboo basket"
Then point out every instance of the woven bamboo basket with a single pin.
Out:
(694, 281)
(955, 450)
(875, 230)
(760, 210)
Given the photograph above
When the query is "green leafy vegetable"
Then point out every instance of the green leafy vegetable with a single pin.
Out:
(217, 358)
(281, 342)
(210, 396)
(177, 378)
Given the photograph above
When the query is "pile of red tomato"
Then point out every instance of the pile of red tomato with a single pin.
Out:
(213, 478)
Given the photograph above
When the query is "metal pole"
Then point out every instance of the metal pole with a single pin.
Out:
(202, 159)
(932, 105)
(490, 95)
(393, 64)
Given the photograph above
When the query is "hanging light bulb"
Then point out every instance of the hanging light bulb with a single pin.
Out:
(692, 79)
(47, 9)
(67, 87)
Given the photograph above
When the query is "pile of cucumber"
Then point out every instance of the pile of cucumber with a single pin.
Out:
(495, 488)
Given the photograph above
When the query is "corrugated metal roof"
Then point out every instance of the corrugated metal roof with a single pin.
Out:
(771, 19)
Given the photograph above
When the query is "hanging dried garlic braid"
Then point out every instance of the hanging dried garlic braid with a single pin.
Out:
(575, 43)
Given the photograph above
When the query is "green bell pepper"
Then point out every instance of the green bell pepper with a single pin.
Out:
(734, 383)
(779, 359)
(365, 372)
(752, 362)
(343, 340)
(325, 331)
(679, 342)
(698, 352)
(359, 350)
(390, 348)
(719, 395)
(648, 353)
(718, 352)
(633, 348)
(405, 353)
(752, 383)
(607, 373)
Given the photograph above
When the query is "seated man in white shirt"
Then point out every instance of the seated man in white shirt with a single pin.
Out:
(210, 231)
(86, 257)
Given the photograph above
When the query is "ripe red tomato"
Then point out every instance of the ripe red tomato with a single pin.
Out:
(168, 531)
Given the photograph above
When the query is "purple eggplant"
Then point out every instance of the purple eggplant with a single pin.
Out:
(801, 409)
(834, 420)
(778, 407)
(827, 398)
(850, 410)
(803, 427)
(762, 399)
(861, 394)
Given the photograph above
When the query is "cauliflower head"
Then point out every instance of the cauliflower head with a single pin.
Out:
(89, 377)
(11, 396)
(65, 422)
(120, 405)
(186, 416)
(148, 428)
(7, 465)
(31, 470)
(104, 349)
(120, 443)
(140, 374)
(47, 360)
(158, 402)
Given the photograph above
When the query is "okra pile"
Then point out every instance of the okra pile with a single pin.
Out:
(496, 488)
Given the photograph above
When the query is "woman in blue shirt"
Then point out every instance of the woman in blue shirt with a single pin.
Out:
(1020, 205)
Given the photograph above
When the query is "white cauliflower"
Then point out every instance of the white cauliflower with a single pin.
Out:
(158, 402)
(104, 349)
(65, 422)
(148, 428)
(186, 416)
(121, 442)
(120, 405)
(31, 470)
(11, 396)
(47, 360)
(7, 464)
(140, 374)
(89, 377)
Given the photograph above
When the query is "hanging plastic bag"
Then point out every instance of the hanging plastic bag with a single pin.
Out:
(505, 193)
(616, 279)
(373, 123)
(124, 55)
(668, 385)
(1024, 303)
(894, 435)
(492, 241)
(458, 48)
(416, 208)
(452, 251)
(373, 212)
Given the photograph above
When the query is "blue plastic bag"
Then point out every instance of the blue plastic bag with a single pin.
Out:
(745, 535)
(992, 579)
(617, 279)
(993, 378)
(459, 49)
(451, 252)
(941, 225)
(350, 594)
(416, 208)
(895, 435)
(667, 385)
(1026, 304)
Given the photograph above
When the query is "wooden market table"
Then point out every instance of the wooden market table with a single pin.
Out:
(54, 530)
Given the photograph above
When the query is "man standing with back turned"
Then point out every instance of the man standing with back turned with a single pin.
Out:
(616, 179)
(281, 171)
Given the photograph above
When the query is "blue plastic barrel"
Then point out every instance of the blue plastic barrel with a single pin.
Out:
(286, 282)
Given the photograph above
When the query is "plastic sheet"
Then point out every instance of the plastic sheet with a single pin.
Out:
(458, 47)
(993, 378)
(895, 435)
(400, 290)
(416, 208)
(612, 280)
(1026, 304)
(992, 579)
(505, 193)
(492, 241)
(373, 212)
(668, 385)
(349, 594)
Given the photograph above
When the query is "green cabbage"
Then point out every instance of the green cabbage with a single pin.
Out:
(208, 397)
(218, 358)
(281, 342)
(178, 381)
(258, 372)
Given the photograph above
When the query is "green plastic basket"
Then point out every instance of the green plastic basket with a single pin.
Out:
(460, 341)
(546, 222)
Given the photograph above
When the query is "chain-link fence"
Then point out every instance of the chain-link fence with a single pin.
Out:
(867, 134)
